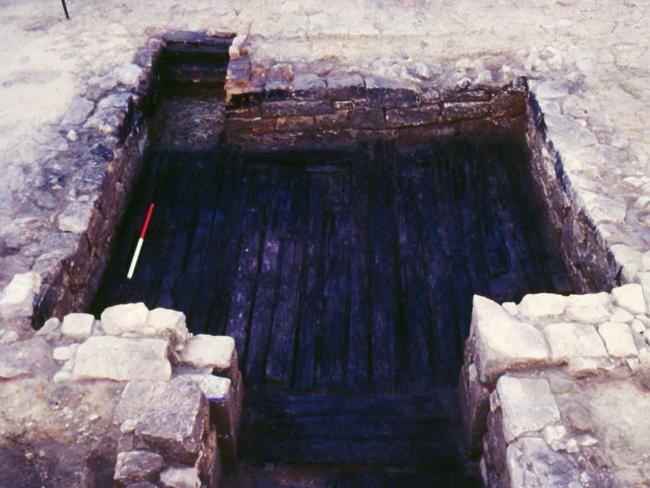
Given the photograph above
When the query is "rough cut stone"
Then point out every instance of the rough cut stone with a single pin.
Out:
(78, 325)
(630, 260)
(167, 322)
(136, 397)
(225, 407)
(542, 304)
(644, 278)
(621, 315)
(618, 339)
(130, 317)
(175, 424)
(137, 466)
(64, 353)
(17, 299)
(568, 340)
(122, 359)
(592, 308)
(531, 463)
(527, 405)
(474, 407)
(50, 327)
(180, 477)
(502, 342)
(206, 351)
(29, 357)
(630, 297)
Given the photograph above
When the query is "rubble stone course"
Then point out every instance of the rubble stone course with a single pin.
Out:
(171, 423)
(533, 420)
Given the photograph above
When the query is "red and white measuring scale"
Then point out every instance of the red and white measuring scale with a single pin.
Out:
(138, 247)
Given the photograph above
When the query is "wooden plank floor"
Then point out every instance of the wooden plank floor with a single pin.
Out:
(336, 271)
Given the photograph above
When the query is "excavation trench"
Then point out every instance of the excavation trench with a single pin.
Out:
(343, 264)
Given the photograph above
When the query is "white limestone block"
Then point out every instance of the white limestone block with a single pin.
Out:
(180, 477)
(527, 405)
(503, 342)
(592, 308)
(569, 339)
(511, 308)
(215, 388)
(167, 322)
(645, 261)
(638, 326)
(542, 304)
(122, 359)
(64, 353)
(51, 326)
(120, 319)
(17, 299)
(207, 351)
(644, 279)
(630, 297)
(621, 315)
(628, 258)
(618, 339)
(78, 325)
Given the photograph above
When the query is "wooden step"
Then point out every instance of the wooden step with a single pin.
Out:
(347, 430)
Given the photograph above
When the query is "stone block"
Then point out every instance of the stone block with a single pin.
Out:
(225, 409)
(17, 298)
(465, 110)
(239, 73)
(308, 86)
(122, 359)
(508, 104)
(136, 398)
(288, 108)
(630, 297)
(135, 466)
(538, 305)
(531, 463)
(474, 407)
(386, 94)
(367, 118)
(591, 308)
(167, 323)
(120, 319)
(297, 123)
(644, 279)
(64, 353)
(26, 358)
(618, 339)
(337, 120)
(51, 328)
(408, 117)
(78, 325)
(527, 405)
(503, 342)
(346, 87)
(214, 353)
(180, 477)
(174, 425)
(569, 340)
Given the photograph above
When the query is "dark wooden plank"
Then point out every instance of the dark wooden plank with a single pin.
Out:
(358, 361)
(332, 338)
(415, 315)
(310, 316)
(383, 283)
(279, 363)
(266, 293)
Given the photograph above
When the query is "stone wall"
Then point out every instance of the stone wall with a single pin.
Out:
(554, 389)
(172, 419)
(278, 109)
